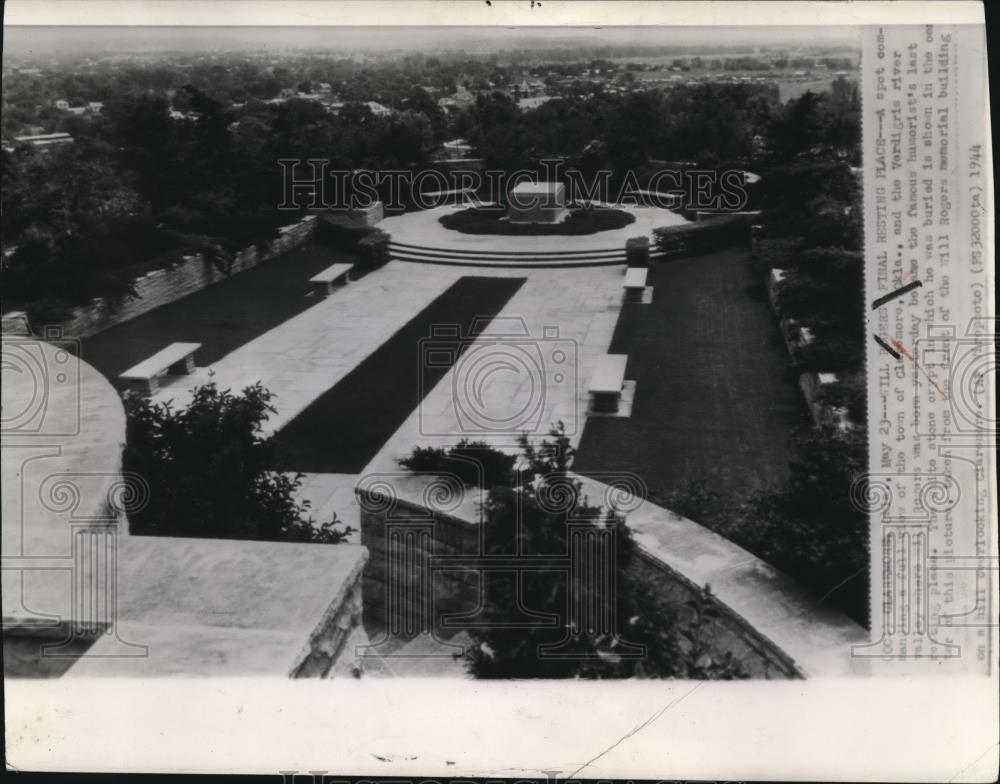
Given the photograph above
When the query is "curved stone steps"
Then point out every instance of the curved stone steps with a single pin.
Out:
(511, 254)
(516, 259)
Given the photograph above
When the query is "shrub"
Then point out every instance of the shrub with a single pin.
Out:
(210, 473)
(373, 250)
(828, 353)
(532, 518)
(806, 527)
(637, 252)
(775, 253)
(693, 238)
(471, 461)
(491, 220)
(49, 310)
(339, 235)
(801, 296)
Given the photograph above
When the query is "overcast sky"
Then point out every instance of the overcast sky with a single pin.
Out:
(55, 40)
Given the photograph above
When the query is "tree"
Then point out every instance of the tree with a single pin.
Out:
(532, 517)
(403, 139)
(211, 472)
(798, 127)
(841, 118)
(810, 528)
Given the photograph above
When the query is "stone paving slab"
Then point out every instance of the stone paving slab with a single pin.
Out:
(424, 228)
(583, 307)
(331, 494)
(305, 356)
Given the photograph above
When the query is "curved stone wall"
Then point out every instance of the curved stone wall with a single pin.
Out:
(768, 621)
(114, 604)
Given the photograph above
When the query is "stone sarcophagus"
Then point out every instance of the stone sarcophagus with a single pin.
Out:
(536, 202)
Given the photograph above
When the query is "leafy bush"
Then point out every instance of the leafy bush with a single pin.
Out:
(803, 296)
(637, 252)
(210, 471)
(492, 220)
(70, 268)
(49, 310)
(373, 250)
(828, 354)
(850, 392)
(775, 253)
(339, 235)
(531, 518)
(473, 462)
(692, 238)
(807, 527)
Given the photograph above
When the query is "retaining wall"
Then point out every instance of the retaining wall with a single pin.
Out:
(192, 273)
(766, 620)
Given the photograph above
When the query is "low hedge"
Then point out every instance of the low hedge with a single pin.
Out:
(340, 236)
(373, 250)
(473, 462)
(637, 252)
(490, 220)
(703, 236)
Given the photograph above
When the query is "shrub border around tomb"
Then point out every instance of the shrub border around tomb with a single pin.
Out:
(579, 222)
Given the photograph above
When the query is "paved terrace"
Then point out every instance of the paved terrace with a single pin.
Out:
(424, 228)
(577, 312)
(311, 352)
(170, 606)
(574, 312)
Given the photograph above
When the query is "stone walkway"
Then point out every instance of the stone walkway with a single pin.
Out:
(332, 494)
(308, 354)
(529, 370)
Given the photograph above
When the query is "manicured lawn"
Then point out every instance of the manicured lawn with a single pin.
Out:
(221, 317)
(715, 399)
(343, 429)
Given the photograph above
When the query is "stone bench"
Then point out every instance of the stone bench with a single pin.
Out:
(635, 283)
(324, 283)
(176, 359)
(607, 382)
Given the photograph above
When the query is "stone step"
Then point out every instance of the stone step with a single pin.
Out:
(473, 261)
(406, 246)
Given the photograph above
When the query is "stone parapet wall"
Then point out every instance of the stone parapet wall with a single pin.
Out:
(766, 620)
(190, 274)
(327, 643)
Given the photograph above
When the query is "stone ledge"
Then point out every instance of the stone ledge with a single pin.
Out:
(771, 622)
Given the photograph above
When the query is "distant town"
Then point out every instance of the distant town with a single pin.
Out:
(640, 345)
(50, 101)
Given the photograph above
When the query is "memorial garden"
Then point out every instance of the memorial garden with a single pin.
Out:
(297, 367)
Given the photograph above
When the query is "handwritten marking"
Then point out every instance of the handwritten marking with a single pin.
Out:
(887, 347)
(897, 293)
(902, 350)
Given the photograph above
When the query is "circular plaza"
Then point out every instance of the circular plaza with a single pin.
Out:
(421, 237)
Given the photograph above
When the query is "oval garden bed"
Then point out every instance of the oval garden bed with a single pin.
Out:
(579, 221)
